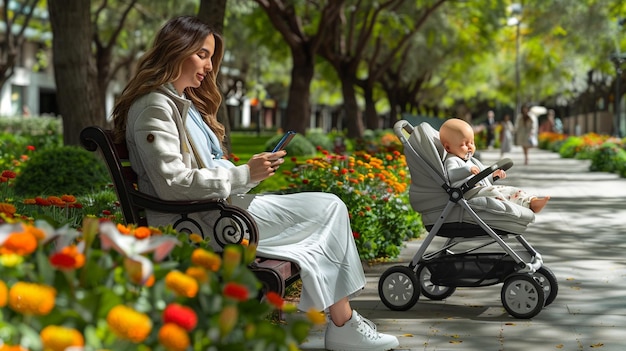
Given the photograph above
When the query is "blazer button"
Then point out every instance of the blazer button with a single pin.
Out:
(150, 138)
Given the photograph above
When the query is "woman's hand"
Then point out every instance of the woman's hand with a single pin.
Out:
(264, 165)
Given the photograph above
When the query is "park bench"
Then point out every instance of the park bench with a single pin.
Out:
(232, 225)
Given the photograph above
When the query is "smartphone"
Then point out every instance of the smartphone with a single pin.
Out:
(284, 141)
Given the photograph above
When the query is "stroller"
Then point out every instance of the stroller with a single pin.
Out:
(469, 229)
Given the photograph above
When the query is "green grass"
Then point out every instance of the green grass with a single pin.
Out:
(245, 145)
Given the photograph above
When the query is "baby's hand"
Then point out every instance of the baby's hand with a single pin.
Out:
(499, 173)
(474, 170)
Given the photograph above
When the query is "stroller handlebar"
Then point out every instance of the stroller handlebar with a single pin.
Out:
(502, 164)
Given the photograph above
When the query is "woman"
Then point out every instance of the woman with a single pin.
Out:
(167, 115)
(526, 131)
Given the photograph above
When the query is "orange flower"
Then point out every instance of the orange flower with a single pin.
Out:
(123, 229)
(55, 200)
(206, 259)
(236, 291)
(142, 232)
(29, 202)
(68, 258)
(197, 273)
(41, 201)
(22, 243)
(173, 337)
(6, 347)
(129, 324)
(68, 198)
(31, 298)
(4, 294)
(7, 208)
(180, 315)
(56, 338)
(181, 284)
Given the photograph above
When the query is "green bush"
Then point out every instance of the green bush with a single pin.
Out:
(320, 140)
(61, 170)
(571, 147)
(299, 145)
(604, 159)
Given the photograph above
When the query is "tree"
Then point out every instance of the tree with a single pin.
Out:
(16, 22)
(304, 44)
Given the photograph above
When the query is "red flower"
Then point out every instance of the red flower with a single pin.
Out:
(9, 174)
(236, 291)
(30, 148)
(275, 299)
(180, 315)
(356, 235)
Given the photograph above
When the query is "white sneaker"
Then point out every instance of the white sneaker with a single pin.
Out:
(358, 334)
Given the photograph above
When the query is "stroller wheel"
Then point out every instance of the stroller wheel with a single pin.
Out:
(398, 288)
(547, 279)
(430, 290)
(522, 296)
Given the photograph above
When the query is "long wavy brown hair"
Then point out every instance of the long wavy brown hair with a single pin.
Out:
(180, 38)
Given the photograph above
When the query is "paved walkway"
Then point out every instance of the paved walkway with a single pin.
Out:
(581, 235)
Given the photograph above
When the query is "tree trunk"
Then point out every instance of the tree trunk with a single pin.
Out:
(213, 13)
(298, 111)
(78, 96)
(372, 121)
(353, 117)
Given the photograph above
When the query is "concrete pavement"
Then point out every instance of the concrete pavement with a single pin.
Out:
(581, 235)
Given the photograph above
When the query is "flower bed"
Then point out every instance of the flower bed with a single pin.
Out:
(108, 286)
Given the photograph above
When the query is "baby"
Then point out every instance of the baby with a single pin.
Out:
(457, 138)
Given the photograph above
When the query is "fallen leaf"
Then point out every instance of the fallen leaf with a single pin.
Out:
(408, 335)
(509, 323)
(559, 346)
(597, 345)
(455, 341)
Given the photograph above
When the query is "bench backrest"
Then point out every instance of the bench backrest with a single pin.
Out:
(124, 178)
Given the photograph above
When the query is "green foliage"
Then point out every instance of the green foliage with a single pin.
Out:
(609, 157)
(319, 139)
(374, 187)
(299, 145)
(570, 147)
(62, 170)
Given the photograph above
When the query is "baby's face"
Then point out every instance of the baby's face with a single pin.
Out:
(462, 145)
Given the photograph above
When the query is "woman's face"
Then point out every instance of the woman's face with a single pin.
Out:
(196, 67)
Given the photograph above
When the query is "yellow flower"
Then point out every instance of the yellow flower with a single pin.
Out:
(316, 316)
(206, 259)
(231, 259)
(181, 284)
(173, 337)
(56, 338)
(31, 298)
(129, 324)
(197, 273)
(195, 238)
(11, 260)
(228, 319)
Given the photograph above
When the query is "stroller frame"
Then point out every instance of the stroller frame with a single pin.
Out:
(528, 284)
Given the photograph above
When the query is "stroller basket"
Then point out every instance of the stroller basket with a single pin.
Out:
(470, 270)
